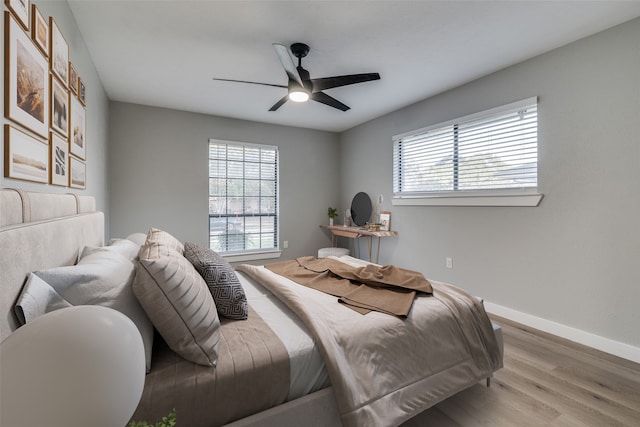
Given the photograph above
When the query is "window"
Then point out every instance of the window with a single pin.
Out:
(243, 198)
(490, 153)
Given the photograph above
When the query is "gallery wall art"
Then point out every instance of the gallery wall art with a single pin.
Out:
(20, 9)
(40, 30)
(59, 160)
(45, 101)
(78, 128)
(78, 173)
(26, 80)
(25, 157)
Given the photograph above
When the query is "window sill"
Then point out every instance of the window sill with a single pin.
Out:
(531, 200)
(254, 256)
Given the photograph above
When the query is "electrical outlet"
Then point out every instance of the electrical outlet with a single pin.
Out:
(449, 262)
(285, 244)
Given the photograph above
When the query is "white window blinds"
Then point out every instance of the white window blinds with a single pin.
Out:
(243, 197)
(488, 151)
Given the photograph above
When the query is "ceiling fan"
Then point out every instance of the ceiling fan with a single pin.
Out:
(301, 86)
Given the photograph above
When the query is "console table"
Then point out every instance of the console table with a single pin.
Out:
(356, 233)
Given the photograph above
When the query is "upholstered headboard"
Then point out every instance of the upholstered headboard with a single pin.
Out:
(37, 231)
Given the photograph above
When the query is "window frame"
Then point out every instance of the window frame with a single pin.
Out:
(247, 254)
(523, 196)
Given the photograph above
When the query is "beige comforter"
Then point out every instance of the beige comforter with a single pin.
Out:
(384, 370)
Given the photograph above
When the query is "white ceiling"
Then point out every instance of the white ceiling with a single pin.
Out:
(165, 53)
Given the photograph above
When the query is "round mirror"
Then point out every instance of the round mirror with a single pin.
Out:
(361, 209)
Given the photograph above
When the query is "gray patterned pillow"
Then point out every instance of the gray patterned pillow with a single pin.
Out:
(221, 279)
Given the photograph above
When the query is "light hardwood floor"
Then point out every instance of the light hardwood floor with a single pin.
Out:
(546, 381)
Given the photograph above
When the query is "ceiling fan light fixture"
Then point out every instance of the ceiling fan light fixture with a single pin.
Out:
(299, 95)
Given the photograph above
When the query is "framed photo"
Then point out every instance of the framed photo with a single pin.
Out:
(26, 90)
(25, 157)
(59, 164)
(385, 220)
(39, 30)
(78, 173)
(59, 53)
(20, 9)
(59, 108)
(78, 129)
(73, 78)
(82, 92)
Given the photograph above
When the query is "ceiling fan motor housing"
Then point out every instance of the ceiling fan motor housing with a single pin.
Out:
(299, 50)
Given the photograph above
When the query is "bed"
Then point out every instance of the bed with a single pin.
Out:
(297, 355)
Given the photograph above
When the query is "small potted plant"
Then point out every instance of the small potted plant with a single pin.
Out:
(332, 213)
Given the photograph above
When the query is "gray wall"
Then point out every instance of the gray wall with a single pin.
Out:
(97, 112)
(160, 166)
(572, 260)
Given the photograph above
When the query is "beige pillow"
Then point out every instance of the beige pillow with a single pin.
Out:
(177, 300)
(160, 242)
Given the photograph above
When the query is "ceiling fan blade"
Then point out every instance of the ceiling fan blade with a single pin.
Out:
(328, 100)
(279, 103)
(287, 62)
(336, 81)
(245, 81)
(305, 77)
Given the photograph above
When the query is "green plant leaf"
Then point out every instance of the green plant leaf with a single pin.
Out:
(168, 421)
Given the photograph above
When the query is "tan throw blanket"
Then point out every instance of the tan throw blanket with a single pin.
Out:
(387, 289)
(385, 370)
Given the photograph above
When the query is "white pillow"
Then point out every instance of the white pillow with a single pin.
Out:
(102, 277)
(37, 298)
(122, 246)
(137, 238)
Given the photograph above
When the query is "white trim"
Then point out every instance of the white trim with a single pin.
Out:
(254, 256)
(495, 200)
(607, 345)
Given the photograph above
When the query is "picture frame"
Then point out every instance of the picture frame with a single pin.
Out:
(59, 160)
(77, 129)
(20, 9)
(26, 89)
(82, 91)
(59, 53)
(73, 78)
(39, 30)
(385, 221)
(25, 157)
(77, 173)
(59, 115)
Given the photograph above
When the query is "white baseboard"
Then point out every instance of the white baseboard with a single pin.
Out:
(607, 345)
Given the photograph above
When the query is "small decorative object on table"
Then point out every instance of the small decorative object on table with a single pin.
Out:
(385, 220)
(373, 226)
(332, 213)
(347, 218)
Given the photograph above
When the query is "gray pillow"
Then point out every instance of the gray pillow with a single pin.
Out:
(221, 279)
(103, 276)
(177, 300)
